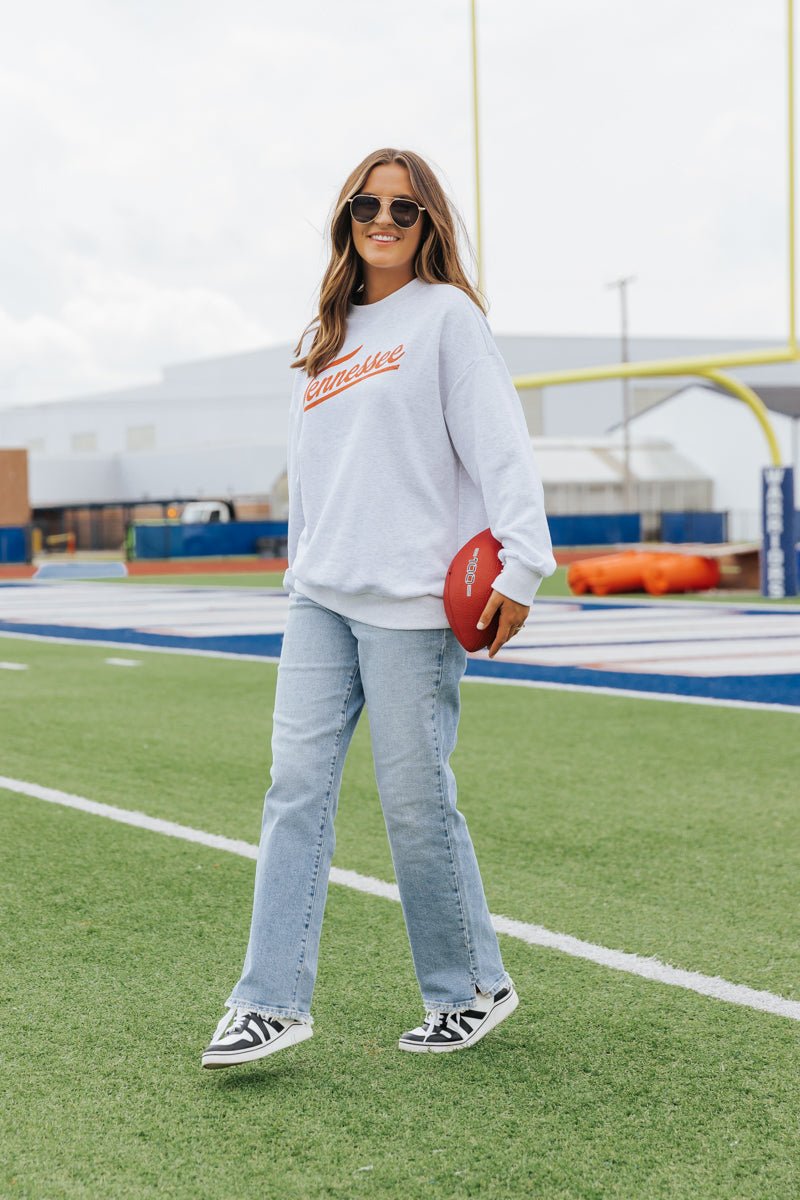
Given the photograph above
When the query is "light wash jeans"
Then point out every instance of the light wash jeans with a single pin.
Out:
(330, 666)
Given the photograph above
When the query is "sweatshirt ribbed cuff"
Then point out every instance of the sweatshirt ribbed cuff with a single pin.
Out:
(517, 582)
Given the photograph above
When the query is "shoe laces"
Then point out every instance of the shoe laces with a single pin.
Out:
(436, 1018)
(241, 1018)
(235, 1018)
(235, 1021)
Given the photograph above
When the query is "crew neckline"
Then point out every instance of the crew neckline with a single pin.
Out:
(381, 306)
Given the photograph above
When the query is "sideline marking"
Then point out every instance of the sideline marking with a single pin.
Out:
(13, 666)
(535, 935)
(631, 693)
(588, 689)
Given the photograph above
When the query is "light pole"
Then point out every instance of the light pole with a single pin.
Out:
(626, 405)
(478, 238)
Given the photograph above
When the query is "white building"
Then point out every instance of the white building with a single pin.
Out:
(217, 428)
(587, 475)
(213, 428)
(721, 435)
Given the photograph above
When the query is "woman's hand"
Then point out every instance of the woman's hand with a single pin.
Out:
(512, 617)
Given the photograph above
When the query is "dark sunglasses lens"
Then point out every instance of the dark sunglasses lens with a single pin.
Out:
(365, 208)
(404, 213)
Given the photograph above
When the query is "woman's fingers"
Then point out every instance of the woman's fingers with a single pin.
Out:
(492, 605)
(512, 617)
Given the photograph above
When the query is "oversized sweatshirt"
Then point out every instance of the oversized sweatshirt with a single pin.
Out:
(408, 443)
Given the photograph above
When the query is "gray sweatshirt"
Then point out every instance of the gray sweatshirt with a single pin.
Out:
(410, 442)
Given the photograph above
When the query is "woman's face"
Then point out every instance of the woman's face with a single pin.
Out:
(389, 180)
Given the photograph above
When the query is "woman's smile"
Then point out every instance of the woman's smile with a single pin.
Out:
(395, 265)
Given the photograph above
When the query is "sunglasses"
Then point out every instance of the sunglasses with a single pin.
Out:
(404, 213)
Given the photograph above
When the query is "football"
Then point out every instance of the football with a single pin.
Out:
(467, 588)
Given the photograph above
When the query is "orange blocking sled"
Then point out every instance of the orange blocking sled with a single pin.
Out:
(636, 571)
(608, 573)
(680, 573)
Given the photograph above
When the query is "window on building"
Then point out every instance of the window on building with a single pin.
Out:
(140, 437)
(83, 442)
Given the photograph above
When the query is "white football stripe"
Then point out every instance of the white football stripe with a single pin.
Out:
(534, 935)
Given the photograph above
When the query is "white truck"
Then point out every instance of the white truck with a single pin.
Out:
(204, 512)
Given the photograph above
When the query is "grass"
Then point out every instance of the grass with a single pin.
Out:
(600, 1086)
(664, 829)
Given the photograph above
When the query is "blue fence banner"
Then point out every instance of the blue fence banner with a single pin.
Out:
(595, 529)
(14, 544)
(171, 539)
(778, 554)
(708, 527)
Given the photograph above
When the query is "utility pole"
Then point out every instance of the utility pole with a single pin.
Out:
(626, 404)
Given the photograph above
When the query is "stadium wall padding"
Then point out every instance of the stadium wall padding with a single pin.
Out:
(14, 541)
(171, 539)
(595, 529)
(709, 527)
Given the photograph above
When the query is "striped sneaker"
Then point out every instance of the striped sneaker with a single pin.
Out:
(442, 1031)
(243, 1036)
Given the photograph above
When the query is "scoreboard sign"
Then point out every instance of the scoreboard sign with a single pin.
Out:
(779, 552)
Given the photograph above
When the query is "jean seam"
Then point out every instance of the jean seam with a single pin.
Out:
(444, 803)
(325, 810)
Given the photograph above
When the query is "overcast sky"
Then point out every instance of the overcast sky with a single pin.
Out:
(169, 167)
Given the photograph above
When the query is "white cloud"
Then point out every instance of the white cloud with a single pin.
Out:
(116, 330)
(172, 166)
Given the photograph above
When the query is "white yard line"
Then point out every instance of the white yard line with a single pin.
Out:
(534, 935)
(139, 647)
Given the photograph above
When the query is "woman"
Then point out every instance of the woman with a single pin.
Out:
(406, 437)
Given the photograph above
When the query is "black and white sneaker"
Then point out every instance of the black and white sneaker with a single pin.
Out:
(443, 1031)
(242, 1036)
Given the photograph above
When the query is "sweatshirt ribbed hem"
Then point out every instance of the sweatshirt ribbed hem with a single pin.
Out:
(415, 612)
(517, 581)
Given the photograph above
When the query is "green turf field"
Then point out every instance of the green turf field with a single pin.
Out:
(660, 828)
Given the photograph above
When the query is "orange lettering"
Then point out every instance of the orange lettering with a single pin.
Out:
(322, 388)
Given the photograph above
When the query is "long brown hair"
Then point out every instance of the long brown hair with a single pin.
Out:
(437, 259)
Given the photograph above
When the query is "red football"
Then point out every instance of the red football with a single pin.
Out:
(467, 588)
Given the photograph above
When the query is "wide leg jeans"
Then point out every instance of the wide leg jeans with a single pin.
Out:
(330, 667)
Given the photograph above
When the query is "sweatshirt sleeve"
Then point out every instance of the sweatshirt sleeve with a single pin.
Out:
(487, 427)
(296, 518)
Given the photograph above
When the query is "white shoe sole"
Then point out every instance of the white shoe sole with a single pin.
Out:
(291, 1035)
(501, 1010)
